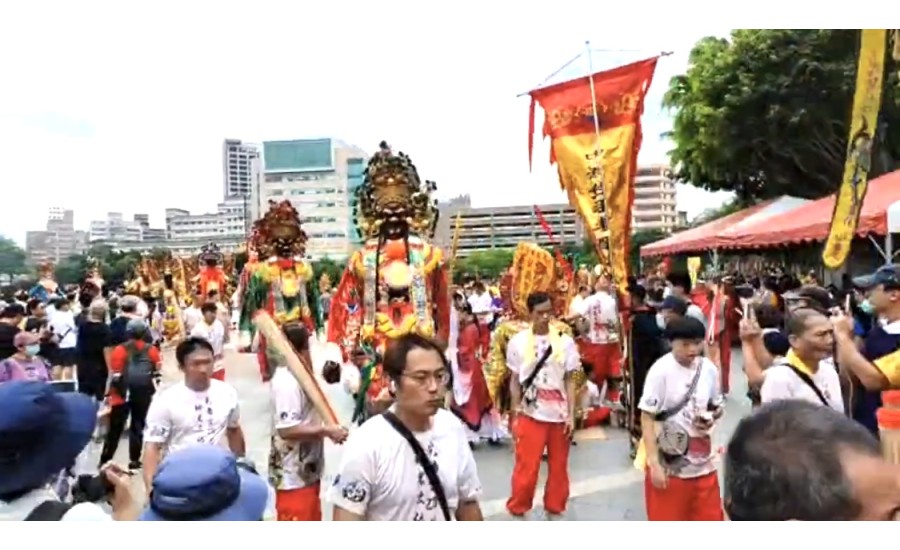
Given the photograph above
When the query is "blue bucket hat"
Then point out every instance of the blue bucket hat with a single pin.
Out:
(205, 483)
(41, 433)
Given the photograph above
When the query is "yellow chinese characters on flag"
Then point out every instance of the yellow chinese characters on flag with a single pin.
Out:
(863, 125)
(569, 122)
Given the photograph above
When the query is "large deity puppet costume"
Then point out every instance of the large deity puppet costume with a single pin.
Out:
(283, 284)
(533, 270)
(398, 282)
(212, 277)
(46, 288)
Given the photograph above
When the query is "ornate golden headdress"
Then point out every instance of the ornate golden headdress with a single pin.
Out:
(392, 188)
(279, 230)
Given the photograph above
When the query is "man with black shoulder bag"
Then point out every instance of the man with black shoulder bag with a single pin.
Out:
(542, 363)
(679, 407)
(412, 462)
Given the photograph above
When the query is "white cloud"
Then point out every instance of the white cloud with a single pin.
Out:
(109, 107)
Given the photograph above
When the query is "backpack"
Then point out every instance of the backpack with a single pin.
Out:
(139, 368)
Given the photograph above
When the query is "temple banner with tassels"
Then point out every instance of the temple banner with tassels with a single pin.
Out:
(597, 168)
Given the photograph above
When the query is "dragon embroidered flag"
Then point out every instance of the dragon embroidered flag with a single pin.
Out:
(569, 122)
(863, 125)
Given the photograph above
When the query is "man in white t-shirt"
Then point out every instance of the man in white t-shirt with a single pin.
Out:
(212, 329)
(601, 347)
(542, 363)
(199, 410)
(296, 458)
(679, 407)
(811, 336)
(380, 478)
(482, 304)
(192, 316)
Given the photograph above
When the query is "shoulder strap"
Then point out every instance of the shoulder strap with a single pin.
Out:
(667, 414)
(537, 368)
(49, 510)
(809, 382)
(423, 460)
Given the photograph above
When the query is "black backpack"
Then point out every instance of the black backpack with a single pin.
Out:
(139, 368)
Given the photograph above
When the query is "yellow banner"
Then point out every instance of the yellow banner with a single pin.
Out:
(572, 154)
(863, 125)
(595, 128)
(693, 265)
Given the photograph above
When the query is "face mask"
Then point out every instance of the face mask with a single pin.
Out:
(866, 307)
(33, 349)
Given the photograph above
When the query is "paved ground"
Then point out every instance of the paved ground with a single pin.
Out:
(604, 485)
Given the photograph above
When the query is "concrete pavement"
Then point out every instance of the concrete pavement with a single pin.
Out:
(604, 484)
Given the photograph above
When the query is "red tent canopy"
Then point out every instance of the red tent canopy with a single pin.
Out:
(811, 221)
(715, 233)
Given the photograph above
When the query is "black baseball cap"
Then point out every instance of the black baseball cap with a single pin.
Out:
(886, 275)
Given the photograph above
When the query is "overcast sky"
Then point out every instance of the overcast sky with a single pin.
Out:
(109, 108)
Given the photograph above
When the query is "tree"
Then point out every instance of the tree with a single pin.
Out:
(71, 270)
(766, 113)
(328, 266)
(639, 239)
(712, 214)
(12, 258)
(483, 264)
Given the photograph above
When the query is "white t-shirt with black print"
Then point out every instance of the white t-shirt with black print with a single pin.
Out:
(381, 480)
(180, 417)
(666, 385)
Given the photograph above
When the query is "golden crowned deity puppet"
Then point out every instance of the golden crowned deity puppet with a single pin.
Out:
(397, 283)
(533, 270)
(212, 277)
(46, 288)
(282, 284)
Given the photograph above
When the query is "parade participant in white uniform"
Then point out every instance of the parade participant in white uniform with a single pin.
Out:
(380, 478)
(296, 458)
(212, 329)
(199, 410)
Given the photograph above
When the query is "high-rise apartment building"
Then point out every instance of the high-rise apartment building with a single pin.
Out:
(654, 205)
(240, 168)
(319, 177)
(58, 241)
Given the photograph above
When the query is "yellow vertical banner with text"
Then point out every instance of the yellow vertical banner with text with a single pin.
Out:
(863, 126)
(575, 146)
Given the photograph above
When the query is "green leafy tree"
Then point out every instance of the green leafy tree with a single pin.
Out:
(12, 258)
(639, 239)
(483, 264)
(767, 112)
(329, 266)
(71, 270)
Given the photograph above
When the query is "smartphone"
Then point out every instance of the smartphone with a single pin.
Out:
(63, 386)
(744, 291)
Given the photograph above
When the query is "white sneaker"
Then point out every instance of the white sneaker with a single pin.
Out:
(555, 517)
(523, 517)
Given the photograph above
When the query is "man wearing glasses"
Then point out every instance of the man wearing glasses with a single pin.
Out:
(542, 362)
(413, 462)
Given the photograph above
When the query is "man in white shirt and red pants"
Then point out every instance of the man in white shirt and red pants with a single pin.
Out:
(600, 347)
(542, 364)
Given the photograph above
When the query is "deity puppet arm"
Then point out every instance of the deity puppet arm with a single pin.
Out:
(440, 284)
(345, 315)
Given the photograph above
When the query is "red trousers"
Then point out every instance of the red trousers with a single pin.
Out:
(298, 504)
(596, 416)
(531, 437)
(695, 499)
(605, 359)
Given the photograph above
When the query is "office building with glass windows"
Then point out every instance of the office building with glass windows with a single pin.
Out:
(319, 177)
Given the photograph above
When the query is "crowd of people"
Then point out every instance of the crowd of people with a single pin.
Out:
(816, 361)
